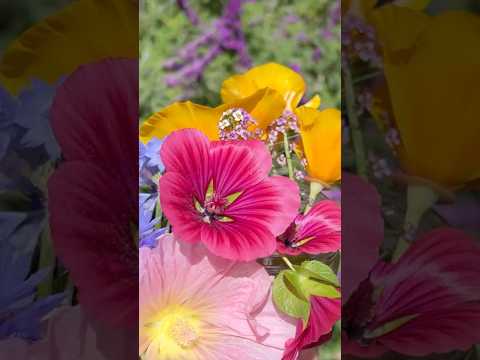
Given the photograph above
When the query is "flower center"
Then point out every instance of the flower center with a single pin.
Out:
(236, 124)
(212, 210)
(183, 333)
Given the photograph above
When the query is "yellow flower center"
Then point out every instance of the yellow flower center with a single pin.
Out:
(176, 330)
(183, 333)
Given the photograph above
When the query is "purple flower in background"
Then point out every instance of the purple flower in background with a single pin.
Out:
(20, 314)
(148, 231)
(8, 130)
(152, 154)
(188, 10)
(33, 115)
(225, 34)
(149, 161)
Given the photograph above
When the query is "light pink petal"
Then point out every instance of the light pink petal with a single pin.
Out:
(238, 165)
(234, 296)
(186, 152)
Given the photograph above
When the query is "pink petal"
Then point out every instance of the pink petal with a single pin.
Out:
(324, 313)
(176, 199)
(94, 115)
(362, 231)
(274, 202)
(323, 223)
(236, 297)
(239, 165)
(437, 281)
(186, 152)
(242, 240)
(91, 235)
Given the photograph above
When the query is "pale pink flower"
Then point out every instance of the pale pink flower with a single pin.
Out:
(194, 305)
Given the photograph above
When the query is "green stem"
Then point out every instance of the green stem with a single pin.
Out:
(47, 258)
(287, 155)
(420, 198)
(289, 264)
(357, 137)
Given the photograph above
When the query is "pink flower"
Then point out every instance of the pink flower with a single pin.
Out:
(194, 305)
(93, 194)
(428, 302)
(219, 193)
(324, 313)
(362, 231)
(317, 232)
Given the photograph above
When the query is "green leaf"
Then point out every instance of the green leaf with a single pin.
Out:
(287, 299)
(319, 271)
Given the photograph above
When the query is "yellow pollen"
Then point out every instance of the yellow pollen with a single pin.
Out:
(183, 334)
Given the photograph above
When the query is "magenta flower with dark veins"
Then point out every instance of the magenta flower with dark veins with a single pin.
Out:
(316, 232)
(428, 302)
(219, 193)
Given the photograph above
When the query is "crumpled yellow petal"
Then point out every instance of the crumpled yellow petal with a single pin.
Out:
(434, 95)
(83, 32)
(264, 105)
(280, 78)
(314, 102)
(321, 134)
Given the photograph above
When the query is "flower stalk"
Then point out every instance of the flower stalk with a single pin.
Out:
(357, 139)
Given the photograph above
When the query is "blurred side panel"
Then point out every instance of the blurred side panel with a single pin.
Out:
(68, 179)
(411, 202)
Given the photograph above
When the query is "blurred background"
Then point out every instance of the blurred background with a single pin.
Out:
(17, 16)
(188, 48)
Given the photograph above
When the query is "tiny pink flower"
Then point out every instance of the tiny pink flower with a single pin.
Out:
(219, 193)
(316, 232)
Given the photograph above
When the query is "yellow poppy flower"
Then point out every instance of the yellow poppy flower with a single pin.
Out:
(83, 32)
(432, 74)
(282, 79)
(264, 106)
(321, 134)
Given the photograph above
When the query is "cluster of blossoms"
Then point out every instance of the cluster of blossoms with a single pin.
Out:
(235, 123)
(219, 207)
(359, 39)
(287, 121)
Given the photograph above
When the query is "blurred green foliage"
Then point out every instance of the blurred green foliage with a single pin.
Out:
(164, 29)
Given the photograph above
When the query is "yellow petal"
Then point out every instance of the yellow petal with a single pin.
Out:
(83, 32)
(321, 139)
(314, 102)
(434, 95)
(275, 76)
(265, 106)
(181, 115)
